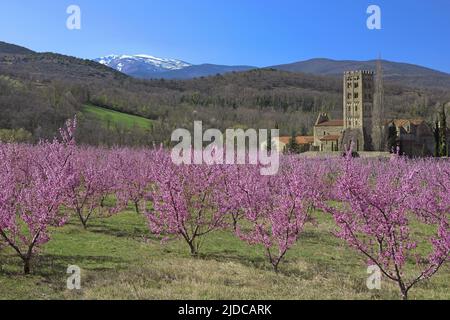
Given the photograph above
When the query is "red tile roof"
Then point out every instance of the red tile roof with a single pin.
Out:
(305, 139)
(330, 138)
(331, 123)
(284, 139)
(403, 122)
(298, 139)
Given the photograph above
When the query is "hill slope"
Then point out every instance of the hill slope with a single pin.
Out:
(39, 91)
(202, 70)
(408, 74)
(7, 48)
(52, 66)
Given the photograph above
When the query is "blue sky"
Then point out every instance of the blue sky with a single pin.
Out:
(251, 32)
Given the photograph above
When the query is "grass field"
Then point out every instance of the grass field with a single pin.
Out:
(121, 260)
(111, 117)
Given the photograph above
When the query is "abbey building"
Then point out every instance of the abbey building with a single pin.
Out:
(364, 124)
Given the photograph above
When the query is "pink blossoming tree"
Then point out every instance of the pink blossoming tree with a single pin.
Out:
(379, 203)
(93, 181)
(133, 176)
(33, 180)
(184, 201)
(275, 207)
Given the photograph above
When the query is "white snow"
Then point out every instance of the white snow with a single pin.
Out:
(119, 62)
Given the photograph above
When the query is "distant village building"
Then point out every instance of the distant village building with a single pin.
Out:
(280, 144)
(413, 136)
(328, 133)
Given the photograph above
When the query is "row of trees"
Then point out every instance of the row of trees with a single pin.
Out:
(34, 181)
(377, 205)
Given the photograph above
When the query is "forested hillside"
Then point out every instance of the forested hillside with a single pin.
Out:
(38, 91)
(13, 49)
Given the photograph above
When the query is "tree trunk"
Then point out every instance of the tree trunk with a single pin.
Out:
(405, 296)
(84, 223)
(235, 222)
(194, 251)
(136, 205)
(82, 219)
(26, 265)
(275, 268)
(403, 290)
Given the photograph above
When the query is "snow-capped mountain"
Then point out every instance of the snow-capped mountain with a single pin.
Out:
(150, 67)
(142, 65)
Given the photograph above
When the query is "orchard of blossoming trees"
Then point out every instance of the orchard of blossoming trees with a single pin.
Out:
(376, 204)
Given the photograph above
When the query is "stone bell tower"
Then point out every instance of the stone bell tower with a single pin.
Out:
(358, 108)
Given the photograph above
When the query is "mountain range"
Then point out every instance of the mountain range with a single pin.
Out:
(404, 73)
(142, 65)
(150, 67)
(146, 66)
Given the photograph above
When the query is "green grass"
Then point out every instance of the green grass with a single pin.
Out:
(121, 260)
(110, 117)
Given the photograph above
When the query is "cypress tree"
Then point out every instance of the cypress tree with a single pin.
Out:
(392, 138)
(443, 133)
(437, 151)
(293, 146)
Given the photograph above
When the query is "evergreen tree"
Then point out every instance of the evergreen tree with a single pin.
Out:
(293, 146)
(437, 151)
(392, 142)
(269, 140)
(443, 147)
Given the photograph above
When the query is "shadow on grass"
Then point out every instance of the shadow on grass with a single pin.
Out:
(101, 225)
(288, 267)
(315, 237)
(54, 267)
(260, 262)
(135, 233)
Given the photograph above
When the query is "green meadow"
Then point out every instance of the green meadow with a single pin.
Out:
(119, 259)
(110, 117)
